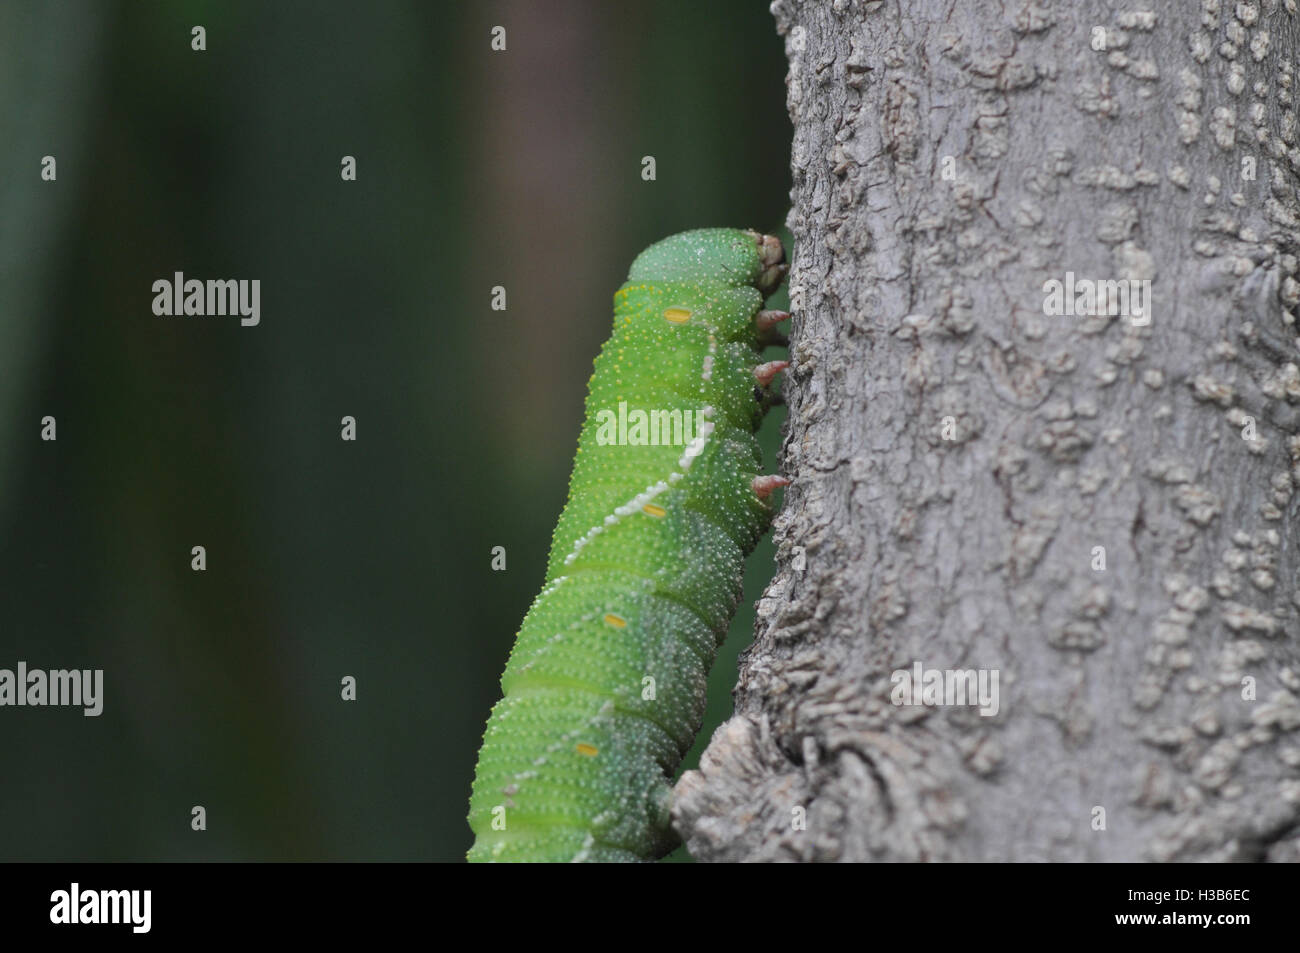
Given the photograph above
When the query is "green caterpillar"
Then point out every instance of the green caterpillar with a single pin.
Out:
(604, 690)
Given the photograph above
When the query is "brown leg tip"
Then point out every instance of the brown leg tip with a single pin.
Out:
(766, 373)
(764, 485)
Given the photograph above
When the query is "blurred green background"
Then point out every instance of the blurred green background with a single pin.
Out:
(325, 558)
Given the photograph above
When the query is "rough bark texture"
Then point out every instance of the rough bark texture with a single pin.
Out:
(1163, 688)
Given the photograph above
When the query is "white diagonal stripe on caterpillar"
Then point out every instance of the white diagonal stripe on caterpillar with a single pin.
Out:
(693, 450)
(647, 495)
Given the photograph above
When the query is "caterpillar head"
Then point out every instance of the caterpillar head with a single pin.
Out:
(729, 256)
(771, 254)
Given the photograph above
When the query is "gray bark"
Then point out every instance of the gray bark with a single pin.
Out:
(1162, 689)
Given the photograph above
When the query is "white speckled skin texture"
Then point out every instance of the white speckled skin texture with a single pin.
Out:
(604, 690)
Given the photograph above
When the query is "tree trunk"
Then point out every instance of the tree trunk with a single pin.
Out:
(1097, 509)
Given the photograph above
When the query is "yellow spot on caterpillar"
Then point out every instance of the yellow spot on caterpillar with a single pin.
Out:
(677, 315)
(617, 622)
(651, 510)
(588, 750)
